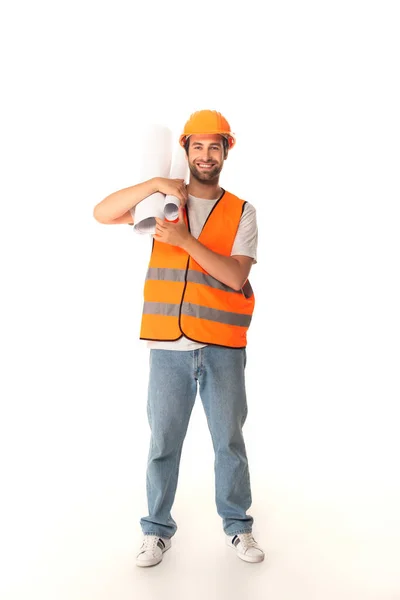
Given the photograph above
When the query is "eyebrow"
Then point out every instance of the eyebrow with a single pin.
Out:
(211, 144)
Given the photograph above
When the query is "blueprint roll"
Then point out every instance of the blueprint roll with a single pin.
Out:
(155, 161)
(179, 170)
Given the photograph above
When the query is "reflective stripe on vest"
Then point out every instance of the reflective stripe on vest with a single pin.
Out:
(194, 310)
(159, 274)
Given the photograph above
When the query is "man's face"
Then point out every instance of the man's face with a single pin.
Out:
(206, 157)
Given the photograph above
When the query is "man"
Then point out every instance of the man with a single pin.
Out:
(198, 304)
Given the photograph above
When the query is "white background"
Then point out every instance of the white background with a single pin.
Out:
(311, 90)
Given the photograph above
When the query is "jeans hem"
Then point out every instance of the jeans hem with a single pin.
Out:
(161, 535)
(241, 531)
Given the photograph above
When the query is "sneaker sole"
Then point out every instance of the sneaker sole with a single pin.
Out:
(252, 559)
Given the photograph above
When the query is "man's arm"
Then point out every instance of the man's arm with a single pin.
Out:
(230, 270)
(117, 204)
(126, 218)
(116, 208)
(233, 270)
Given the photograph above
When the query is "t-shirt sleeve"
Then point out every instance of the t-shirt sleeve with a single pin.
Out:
(246, 239)
(132, 211)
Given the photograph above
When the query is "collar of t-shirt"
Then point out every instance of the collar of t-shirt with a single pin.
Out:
(204, 199)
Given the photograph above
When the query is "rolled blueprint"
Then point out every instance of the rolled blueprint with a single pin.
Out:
(156, 156)
(179, 170)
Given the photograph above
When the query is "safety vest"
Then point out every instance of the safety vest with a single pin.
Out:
(181, 298)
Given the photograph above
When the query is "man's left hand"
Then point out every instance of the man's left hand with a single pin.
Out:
(176, 234)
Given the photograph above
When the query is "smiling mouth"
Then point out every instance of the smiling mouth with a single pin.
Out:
(205, 166)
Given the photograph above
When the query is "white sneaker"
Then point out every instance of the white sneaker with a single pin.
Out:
(246, 547)
(152, 549)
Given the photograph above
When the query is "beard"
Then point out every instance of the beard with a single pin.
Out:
(205, 176)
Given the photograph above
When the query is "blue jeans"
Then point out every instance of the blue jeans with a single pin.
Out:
(172, 391)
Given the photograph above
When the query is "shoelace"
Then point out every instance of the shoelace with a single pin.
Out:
(149, 543)
(247, 539)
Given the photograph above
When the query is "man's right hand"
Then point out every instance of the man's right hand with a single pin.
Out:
(173, 187)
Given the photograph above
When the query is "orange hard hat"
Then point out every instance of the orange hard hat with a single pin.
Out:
(207, 121)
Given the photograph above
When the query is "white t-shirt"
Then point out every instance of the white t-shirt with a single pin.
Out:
(245, 244)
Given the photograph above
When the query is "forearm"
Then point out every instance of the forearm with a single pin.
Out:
(224, 268)
(118, 203)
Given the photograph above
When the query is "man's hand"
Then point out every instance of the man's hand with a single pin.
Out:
(176, 234)
(173, 187)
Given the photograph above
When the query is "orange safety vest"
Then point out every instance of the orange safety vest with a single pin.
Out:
(181, 298)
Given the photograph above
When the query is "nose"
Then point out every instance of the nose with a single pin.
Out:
(206, 154)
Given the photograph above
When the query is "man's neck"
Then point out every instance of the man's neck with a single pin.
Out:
(201, 190)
